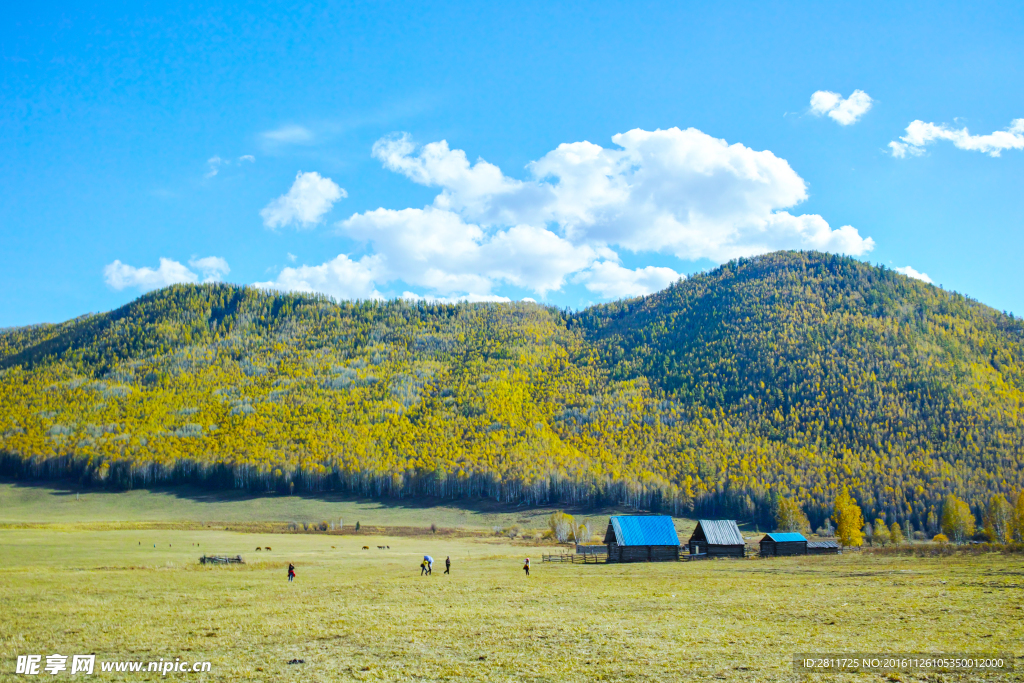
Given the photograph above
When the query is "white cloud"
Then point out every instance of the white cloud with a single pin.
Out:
(291, 257)
(919, 134)
(437, 249)
(213, 268)
(310, 197)
(215, 163)
(910, 272)
(612, 281)
(902, 149)
(341, 278)
(470, 298)
(824, 101)
(842, 111)
(679, 192)
(121, 276)
(288, 135)
(436, 165)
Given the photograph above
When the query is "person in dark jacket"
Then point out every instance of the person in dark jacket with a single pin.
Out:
(291, 571)
(447, 565)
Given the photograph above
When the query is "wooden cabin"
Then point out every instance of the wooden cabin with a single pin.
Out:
(779, 544)
(636, 538)
(824, 547)
(717, 538)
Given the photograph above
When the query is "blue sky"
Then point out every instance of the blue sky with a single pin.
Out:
(133, 133)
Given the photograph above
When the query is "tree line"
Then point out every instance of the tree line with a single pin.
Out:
(1002, 522)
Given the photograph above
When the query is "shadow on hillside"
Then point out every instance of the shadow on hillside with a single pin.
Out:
(61, 488)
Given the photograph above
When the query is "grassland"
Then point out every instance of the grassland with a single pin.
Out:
(355, 614)
(44, 504)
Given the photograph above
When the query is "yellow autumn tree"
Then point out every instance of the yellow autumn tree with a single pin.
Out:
(998, 521)
(562, 525)
(849, 520)
(957, 519)
(881, 536)
(896, 533)
(790, 517)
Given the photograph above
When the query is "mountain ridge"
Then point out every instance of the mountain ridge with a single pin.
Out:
(792, 373)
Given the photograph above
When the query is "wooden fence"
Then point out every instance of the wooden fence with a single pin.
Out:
(581, 558)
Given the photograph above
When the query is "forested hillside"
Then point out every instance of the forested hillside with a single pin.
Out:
(788, 374)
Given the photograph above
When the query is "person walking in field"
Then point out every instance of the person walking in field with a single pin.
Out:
(291, 572)
(447, 564)
(526, 566)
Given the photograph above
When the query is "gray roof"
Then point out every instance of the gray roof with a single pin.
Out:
(822, 544)
(721, 531)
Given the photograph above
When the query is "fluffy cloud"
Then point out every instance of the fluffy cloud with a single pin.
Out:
(213, 268)
(612, 281)
(121, 276)
(310, 197)
(437, 249)
(341, 278)
(679, 192)
(919, 134)
(910, 272)
(842, 111)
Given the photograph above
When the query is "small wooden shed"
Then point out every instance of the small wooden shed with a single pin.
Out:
(717, 538)
(637, 538)
(825, 547)
(779, 543)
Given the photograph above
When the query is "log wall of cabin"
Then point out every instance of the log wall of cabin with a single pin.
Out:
(724, 550)
(823, 551)
(783, 548)
(642, 553)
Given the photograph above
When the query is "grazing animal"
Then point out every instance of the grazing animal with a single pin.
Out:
(366, 547)
(258, 549)
(267, 548)
(332, 546)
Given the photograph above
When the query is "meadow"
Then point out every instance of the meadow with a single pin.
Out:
(134, 591)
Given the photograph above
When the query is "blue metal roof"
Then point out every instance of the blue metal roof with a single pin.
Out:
(786, 537)
(645, 530)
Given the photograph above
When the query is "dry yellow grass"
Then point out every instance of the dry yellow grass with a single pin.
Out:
(356, 614)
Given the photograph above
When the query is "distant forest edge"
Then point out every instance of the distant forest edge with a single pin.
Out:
(790, 374)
